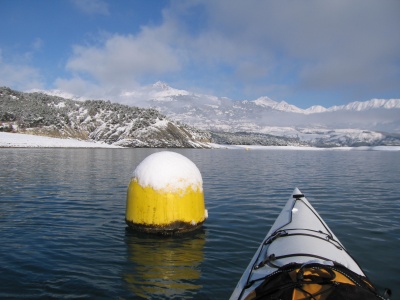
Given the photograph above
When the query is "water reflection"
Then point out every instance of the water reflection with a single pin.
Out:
(164, 267)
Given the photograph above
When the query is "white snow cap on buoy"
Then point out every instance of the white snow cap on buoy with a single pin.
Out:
(174, 172)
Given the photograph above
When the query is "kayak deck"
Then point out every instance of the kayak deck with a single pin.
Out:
(298, 236)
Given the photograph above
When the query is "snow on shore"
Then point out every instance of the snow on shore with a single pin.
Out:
(19, 140)
(254, 147)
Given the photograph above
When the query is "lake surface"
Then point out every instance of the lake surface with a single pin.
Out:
(63, 234)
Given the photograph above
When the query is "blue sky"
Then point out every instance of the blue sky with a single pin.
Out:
(304, 52)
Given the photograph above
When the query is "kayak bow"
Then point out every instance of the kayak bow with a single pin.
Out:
(301, 258)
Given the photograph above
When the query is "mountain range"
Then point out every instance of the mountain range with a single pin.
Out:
(264, 121)
(261, 121)
(214, 113)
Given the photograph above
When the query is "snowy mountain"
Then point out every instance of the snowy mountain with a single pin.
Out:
(367, 105)
(372, 122)
(267, 122)
(222, 114)
(94, 120)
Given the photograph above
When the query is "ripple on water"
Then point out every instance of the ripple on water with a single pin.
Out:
(63, 233)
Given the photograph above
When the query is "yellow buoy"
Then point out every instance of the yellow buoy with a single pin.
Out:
(165, 195)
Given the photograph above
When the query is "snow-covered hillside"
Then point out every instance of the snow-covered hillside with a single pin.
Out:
(94, 120)
(373, 122)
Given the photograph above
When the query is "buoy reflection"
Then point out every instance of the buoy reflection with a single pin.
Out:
(164, 266)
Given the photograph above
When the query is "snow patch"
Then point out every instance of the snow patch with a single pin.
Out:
(315, 109)
(20, 140)
(60, 105)
(265, 101)
(281, 106)
(162, 123)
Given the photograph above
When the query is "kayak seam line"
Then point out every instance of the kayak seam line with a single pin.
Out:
(328, 239)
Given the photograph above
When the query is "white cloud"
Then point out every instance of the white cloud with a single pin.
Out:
(274, 47)
(124, 59)
(326, 44)
(92, 6)
(19, 76)
(87, 89)
(78, 86)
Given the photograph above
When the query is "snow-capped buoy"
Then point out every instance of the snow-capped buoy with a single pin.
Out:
(165, 195)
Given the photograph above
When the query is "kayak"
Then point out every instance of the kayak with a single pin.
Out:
(301, 258)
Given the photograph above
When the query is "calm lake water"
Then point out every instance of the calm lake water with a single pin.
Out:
(63, 234)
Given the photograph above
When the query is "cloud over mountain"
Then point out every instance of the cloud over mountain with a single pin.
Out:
(304, 53)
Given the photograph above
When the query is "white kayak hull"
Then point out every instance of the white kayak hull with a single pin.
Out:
(299, 235)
